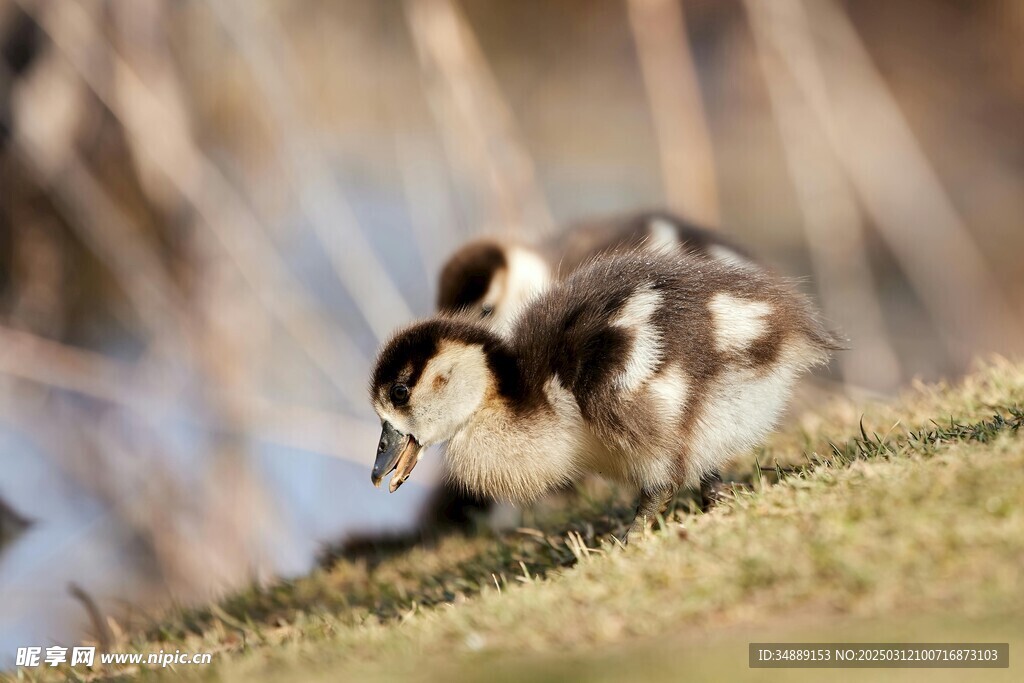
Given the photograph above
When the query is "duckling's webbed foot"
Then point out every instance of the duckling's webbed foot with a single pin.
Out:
(712, 490)
(652, 503)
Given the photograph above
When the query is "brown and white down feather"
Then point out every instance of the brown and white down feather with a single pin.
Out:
(649, 368)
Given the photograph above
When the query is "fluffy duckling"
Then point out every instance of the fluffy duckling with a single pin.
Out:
(654, 369)
(493, 279)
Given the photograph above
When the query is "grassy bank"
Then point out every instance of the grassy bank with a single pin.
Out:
(900, 521)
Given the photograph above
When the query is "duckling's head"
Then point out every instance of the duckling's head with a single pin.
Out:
(429, 381)
(491, 280)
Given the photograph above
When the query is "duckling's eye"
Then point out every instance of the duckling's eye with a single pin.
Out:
(399, 394)
(487, 311)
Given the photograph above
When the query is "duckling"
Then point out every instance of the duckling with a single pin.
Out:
(651, 368)
(492, 278)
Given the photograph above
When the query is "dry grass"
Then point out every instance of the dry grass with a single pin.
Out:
(912, 528)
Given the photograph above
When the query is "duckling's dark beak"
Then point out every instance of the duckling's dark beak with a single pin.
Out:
(397, 453)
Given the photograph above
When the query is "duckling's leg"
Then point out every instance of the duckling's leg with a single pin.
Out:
(712, 490)
(652, 503)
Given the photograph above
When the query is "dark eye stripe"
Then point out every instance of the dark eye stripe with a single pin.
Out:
(405, 358)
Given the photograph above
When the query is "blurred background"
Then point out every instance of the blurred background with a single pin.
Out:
(213, 211)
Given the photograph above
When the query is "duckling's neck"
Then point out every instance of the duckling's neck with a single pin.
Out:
(509, 453)
(527, 275)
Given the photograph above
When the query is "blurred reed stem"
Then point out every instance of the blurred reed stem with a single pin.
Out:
(476, 123)
(281, 85)
(163, 139)
(893, 178)
(685, 148)
(55, 365)
(832, 221)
